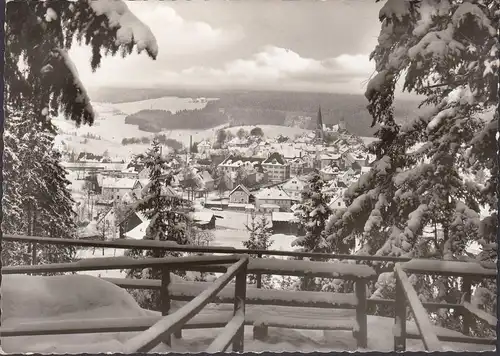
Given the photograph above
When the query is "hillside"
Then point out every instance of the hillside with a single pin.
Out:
(273, 108)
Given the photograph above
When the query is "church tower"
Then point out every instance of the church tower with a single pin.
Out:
(320, 135)
(342, 126)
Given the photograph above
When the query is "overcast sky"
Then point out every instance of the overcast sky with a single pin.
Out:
(258, 44)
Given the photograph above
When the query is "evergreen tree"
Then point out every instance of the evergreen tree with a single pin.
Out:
(313, 214)
(167, 214)
(448, 53)
(40, 81)
(259, 239)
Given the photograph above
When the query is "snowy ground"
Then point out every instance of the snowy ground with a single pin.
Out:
(110, 126)
(230, 232)
(38, 299)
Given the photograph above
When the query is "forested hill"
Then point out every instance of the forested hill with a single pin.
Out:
(257, 107)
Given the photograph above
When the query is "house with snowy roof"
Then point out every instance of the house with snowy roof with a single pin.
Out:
(233, 162)
(238, 142)
(277, 167)
(298, 165)
(294, 187)
(138, 232)
(330, 172)
(203, 219)
(327, 159)
(204, 146)
(274, 198)
(240, 195)
(130, 221)
(113, 188)
(337, 202)
(284, 222)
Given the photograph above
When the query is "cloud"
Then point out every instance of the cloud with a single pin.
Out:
(177, 39)
(177, 36)
(275, 67)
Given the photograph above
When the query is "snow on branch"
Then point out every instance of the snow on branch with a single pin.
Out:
(81, 97)
(437, 44)
(394, 9)
(131, 30)
(469, 9)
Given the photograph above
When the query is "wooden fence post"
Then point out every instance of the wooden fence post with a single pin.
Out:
(165, 298)
(258, 276)
(467, 320)
(240, 292)
(399, 317)
(33, 254)
(361, 314)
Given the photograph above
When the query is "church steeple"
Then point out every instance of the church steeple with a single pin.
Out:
(319, 127)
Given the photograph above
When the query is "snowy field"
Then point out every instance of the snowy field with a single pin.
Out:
(111, 127)
(42, 299)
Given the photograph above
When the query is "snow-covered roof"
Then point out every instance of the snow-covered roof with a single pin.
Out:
(269, 206)
(138, 232)
(283, 216)
(272, 194)
(202, 216)
(275, 158)
(204, 143)
(331, 170)
(294, 184)
(330, 156)
(122, 183)
(236, 161)
(242, 187)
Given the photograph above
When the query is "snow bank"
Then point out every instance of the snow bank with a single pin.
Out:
(68, 297)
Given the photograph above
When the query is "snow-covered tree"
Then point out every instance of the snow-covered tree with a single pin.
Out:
(167, 213)
(447, 52)
(259, 239)
(313, 214)
(40, 82)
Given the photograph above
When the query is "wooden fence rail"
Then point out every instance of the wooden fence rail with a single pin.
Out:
(169, 246)
(162, 329)
(406, 293)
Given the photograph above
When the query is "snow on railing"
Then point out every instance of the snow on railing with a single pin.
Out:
(165, 245)
(121, 262)
(430, 335)
(161, 330)
(150, 338)
(406, 292)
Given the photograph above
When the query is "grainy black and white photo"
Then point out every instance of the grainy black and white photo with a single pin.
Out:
(250, 176)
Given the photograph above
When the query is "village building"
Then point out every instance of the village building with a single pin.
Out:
(294, 188)
(328, 159)
(284, 223)
(329, 173)
(233, 162)
(277, 167)
(337, 203)
(298, 165)
(204, 219)
(204, 147)
(115, 189)
(240, 195)
(275, 197)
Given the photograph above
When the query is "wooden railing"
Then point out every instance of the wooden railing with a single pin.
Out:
(406, 294)
(170, 323)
